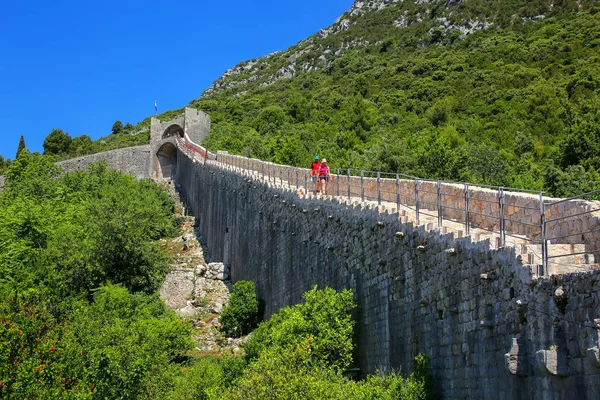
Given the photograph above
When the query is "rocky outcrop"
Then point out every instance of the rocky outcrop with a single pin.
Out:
(313, 55)
(194, 289)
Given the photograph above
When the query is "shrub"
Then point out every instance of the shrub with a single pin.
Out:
(240, 315)
(318, 332)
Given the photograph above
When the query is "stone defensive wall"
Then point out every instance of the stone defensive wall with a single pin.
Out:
(491, 327)
(133, 160)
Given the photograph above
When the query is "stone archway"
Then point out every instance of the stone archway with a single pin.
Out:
(167, 159)
(173, 130)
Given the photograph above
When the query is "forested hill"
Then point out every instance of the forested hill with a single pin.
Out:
(491, 92)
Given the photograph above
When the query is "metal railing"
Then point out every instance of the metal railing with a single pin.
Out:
(522, 216)
(561, 220)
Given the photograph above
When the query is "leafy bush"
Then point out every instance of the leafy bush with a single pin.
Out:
(319, 331)
(30, 356)
(303, 351)
(240, 315)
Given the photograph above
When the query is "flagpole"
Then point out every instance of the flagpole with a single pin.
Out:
(155, 107)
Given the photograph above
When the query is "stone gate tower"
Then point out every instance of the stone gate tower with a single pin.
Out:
(193, 125)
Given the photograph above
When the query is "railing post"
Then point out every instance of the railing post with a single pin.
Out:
(288, 170)
(269, 173)
(297, 182)
(306, 183)
(280, 177)
(362, 186)
(398, 194)
(262, 165)
(501, 216)
(338, 182)
(379, 188)
(467, 215)
(349, 185)
(439, 203)
(417, 201)
(543, 234)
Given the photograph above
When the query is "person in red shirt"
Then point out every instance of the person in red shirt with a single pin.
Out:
(324, 175)
(314, 173)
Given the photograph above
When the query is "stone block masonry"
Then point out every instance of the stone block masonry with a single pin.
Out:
(490, 328)
(134, 160)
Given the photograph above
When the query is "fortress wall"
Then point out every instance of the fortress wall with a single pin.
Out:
(134, 160)
(461, 304)
(483, 203)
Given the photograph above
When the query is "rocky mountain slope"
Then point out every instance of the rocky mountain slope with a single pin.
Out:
(434, 19)
(498, 93)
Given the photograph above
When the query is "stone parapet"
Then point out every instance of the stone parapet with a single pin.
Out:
(521, 211)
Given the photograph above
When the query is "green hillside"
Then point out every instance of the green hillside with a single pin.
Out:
(476, 91)
(502, 93)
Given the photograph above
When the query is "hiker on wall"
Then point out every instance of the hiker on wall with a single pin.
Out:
(314, 173)
(324, 176)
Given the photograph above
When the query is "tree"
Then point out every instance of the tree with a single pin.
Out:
(21, 146)
(81, 145)
(239, 316)
(128, 127)
(57, 142)
(117, 127)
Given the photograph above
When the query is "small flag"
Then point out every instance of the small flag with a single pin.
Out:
(155, 107)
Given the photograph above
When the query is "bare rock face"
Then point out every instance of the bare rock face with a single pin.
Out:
(197, 291)
(177, 289)
(201, 270)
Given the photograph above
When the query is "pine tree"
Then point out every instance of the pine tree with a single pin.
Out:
(21, 146)
(117, 127)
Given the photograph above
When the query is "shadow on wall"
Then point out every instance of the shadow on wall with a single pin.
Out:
(167, 158)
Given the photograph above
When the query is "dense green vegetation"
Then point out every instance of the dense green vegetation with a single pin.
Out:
(514, 104)
(300, 353)
(62, 146)
(80, 317)
(78, 276)
(4, 164)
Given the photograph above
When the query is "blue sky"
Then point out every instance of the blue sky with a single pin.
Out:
(82, 65)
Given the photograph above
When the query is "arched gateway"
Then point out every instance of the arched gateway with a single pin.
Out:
(167, 158)
(193, 125)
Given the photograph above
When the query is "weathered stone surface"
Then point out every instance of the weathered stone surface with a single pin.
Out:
(177, 289)
(390, 277)
(552, 362)
(516, 359)
(217, 270)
